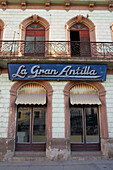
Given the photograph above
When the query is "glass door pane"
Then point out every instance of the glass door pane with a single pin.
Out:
(92, 132)
(23, 125)
(39, 124)
(76, 123)
(29, 48)
(40, 46)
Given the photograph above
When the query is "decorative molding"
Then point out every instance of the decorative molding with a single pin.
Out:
(35, 18)
(4, 4)
(79, 18)
(111, 27)
(110, 6)
(47, 5)
(2, 27)
(91, 6)
(23, 4)
(67, 5)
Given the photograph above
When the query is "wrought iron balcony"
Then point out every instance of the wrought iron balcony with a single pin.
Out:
(52, 49)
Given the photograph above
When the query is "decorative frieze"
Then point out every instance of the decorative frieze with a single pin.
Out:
(4, 4)
(47, 5)
(67, 5)
(23, 4)
(110, 6)
(91, 6)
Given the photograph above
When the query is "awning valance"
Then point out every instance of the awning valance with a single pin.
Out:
(31, 99)
(86, 99)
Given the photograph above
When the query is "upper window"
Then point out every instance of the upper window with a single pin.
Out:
(79, 27)
(35, 26)
(35, 37)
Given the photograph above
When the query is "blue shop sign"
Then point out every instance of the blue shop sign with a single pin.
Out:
(57, 72)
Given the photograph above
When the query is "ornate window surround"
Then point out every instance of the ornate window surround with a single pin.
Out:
(2, 26)
(102, 108)
(34, 19)
(80, 19)
(12, 108)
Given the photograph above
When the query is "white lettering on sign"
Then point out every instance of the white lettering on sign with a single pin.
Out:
(67, 72)
(21, 72)
(35, 71)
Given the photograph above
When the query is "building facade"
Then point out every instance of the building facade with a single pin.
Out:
(56, 77)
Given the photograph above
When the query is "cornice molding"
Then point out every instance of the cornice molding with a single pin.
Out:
(67, 5)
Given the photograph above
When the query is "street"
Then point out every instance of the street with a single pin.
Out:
(60, 165)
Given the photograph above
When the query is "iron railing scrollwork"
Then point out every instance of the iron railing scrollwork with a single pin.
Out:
(56, 49)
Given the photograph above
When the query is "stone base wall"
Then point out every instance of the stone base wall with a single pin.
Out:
(58, 149)
(107, 147)
(6, 149)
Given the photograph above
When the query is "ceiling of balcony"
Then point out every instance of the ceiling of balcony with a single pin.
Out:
(73, 2)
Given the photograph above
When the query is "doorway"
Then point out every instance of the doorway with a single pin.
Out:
(79, 36)
(84, 128)
(31, 133)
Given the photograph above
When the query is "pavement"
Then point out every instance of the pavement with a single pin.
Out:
(59, 165)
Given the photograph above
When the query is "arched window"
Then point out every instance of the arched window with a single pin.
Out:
(35, 37)
(81, 30)
(84, 117)
(31, 117)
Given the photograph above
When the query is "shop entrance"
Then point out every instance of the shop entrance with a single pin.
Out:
(84, 128)
(31, 118)
(30, 135)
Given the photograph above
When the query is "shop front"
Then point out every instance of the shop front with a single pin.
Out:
(84, 107)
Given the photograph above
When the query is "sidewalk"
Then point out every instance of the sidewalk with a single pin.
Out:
(63, 165)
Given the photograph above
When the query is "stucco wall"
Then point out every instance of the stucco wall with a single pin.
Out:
(57, 20)
(58, 128)
(108, 84)
(5, 86)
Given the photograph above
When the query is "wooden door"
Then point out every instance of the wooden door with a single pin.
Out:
(84, 43)
(30, 133)
(84, 128)
(35, 37)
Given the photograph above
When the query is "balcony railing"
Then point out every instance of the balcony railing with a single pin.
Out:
(69, 49)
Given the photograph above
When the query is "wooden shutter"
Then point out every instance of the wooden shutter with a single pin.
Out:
(84, 45)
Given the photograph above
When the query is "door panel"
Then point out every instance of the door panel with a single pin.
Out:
(31, 129)
(40, 33)
(40, 46)
(39, 125)
(84, 45)
(23, 125)
(84, 128)
(29, 48)
(76, 120)
(92, 132)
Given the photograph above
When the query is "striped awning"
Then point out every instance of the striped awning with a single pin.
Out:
(86, 99)
(31, 99)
